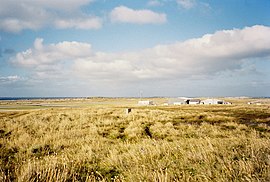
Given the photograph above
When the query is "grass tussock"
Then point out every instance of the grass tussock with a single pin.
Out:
(102, 143)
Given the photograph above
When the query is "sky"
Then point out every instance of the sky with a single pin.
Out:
(127, 48)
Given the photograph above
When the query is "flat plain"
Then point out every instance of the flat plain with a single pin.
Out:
(95, 140)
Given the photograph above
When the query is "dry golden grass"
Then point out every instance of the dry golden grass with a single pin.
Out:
(99, 142)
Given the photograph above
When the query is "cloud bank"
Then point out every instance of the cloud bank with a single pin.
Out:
(200, 58)
(17, 15)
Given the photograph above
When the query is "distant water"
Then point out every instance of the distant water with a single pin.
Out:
(35, 98)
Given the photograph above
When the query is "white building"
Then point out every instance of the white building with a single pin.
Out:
(212, 101)
(194, 101)
(183, 100)
(177, 101)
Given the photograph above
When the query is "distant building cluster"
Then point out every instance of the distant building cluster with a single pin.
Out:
(184, 101)
(192, 101)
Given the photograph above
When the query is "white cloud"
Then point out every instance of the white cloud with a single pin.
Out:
(9, 79)
(52, 54)
(210, 55)
(187, 4)
(17, 15)
(15, 25)
(127, 15)
(79, 23)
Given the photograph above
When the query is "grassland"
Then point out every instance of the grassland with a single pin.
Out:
(94, 140)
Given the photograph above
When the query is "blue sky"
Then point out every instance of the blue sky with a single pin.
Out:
(120, 48)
